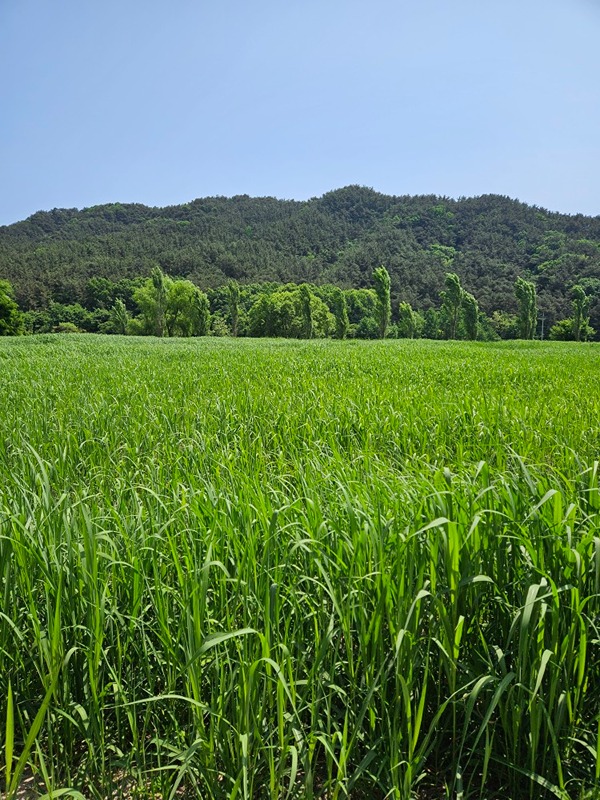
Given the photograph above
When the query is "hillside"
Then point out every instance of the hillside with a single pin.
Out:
(338, 238)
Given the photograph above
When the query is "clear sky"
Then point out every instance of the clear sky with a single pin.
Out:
(161, 102)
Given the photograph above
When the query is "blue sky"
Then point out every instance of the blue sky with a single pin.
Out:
(159, 103)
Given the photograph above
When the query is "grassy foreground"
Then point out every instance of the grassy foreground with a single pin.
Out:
(245, 569)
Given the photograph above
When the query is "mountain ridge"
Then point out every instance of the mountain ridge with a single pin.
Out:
(339, 238)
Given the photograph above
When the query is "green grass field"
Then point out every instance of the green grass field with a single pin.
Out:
(276, 569)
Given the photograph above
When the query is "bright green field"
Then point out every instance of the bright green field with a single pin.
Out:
(242, 569)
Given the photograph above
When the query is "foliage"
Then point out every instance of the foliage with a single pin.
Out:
(408, 322)
(66, 327)
(367, 328)
(306, 297)
(470, 311)
(452, 299)
(381, 280)
(11, 319)
(295, 569)
(581, 307)
(119, 317)
(234, 306)
(171, 307)
(339, 307)
(93, 256)
(361, 303)
(505, 325)
(219, 326)
(564, 331)
(290, 312)
(526, 297)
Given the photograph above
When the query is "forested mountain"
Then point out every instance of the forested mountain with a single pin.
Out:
(339, 238)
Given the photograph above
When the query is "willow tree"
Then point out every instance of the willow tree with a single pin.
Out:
(172, 308)
(527, 299)
(381, 279)
(182, 314)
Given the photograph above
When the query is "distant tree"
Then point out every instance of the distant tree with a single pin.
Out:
(151, 320)
(262, 317)
(361, 303)
(581, 307)
(103, 253)
(200, 314)
(160, 284)
(219, 326)
(99, 293)
(58, 313)
(11, 319)
(285, 313)
(66, 327)
(470, 315)
(505, 325)
(180, 308)
(119, 317)
(432, 324)
(562, 331)
(307, 320)
(340, 312)
(381, 279)
(407, 321)
(234, 306)
(452, 298)
(174, 308)
(485, 330)
(367, 328)
(527, 299)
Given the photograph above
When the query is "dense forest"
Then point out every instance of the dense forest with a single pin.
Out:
(90, 258)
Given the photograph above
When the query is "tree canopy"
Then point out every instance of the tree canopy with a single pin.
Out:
(92, 257)
(11, 319)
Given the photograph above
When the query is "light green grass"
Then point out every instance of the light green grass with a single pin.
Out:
(300, 569)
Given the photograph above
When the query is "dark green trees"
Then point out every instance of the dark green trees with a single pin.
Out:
(11, 319)
(381, 280)
(527, 299)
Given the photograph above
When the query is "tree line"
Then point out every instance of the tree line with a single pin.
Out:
(160, 305)
(338, 239)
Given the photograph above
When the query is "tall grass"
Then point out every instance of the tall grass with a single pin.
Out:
(300, 570)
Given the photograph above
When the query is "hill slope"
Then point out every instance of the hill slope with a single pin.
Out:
(337, 238)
